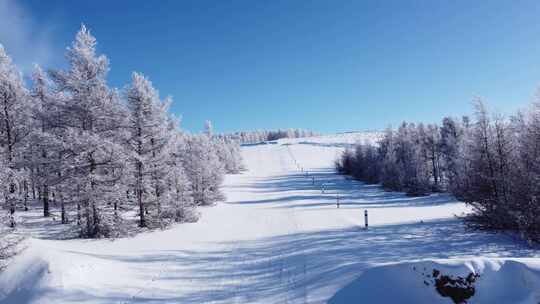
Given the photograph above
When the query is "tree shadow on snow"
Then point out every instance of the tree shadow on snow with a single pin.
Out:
(351, 193)
(301, 267)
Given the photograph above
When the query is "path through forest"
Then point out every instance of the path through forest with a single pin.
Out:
(277, 239)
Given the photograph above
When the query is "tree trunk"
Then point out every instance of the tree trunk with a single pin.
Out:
(12, 205)
(64, 217)
(25, 185)
(45, 197)
(142, 209)
(87, 215)
(7, 123)
(63, 206)
(78, 214)
(95, 221)
(33, 189)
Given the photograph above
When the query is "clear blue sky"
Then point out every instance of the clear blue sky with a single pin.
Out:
(324, 65)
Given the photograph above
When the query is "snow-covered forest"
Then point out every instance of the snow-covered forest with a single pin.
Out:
(102, 159)
(252, 137)
(315, 152)
(491, 162)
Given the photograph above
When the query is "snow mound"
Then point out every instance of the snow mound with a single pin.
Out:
(499, 281)
(25, 274)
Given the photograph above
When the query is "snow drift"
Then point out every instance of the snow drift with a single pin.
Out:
(499, 281)
(20, 281)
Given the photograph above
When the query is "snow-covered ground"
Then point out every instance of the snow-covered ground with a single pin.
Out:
(280, 239)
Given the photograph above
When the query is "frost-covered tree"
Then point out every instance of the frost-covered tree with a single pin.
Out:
(526, 172)
(390, 175)
(450, 145)
(228, 152)
(15, 127)
(15, 109)
(180, 207)
(90, 121)
(234, 163)
(429, 138)
(208, 128)
(151, 141)
(265, 135)
(204, 170)
(44, 148)
(489, 162)
(96, 154)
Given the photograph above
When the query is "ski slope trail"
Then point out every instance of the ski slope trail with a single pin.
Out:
(278, 239)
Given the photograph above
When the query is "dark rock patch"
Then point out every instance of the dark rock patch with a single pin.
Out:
(459, 289)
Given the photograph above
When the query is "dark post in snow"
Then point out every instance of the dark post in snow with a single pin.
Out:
(337, 200)
(322, 188)
(365, 218)
(313, 180)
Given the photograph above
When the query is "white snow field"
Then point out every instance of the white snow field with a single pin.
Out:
(279, 239)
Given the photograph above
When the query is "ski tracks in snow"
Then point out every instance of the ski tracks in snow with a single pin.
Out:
(298, 276)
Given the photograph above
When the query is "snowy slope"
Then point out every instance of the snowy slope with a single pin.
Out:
(278, 239)
(347, 139)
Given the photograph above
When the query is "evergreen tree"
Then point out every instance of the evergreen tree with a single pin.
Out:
(14, 130)
(90, 120)
(151, 140)
(204, 170)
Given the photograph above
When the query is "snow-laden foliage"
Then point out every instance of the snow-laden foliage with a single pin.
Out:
(88, 124)
(15, 127)
(204, 170)
(99, 158)
(151, 141)
(491, 163)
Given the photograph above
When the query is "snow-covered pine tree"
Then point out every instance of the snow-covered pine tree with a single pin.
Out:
(406, 158)
(204, 170)
(451, 141)
(14, 130)
(429, 138)
(90, 123)
(372, 160)
(152, 142)
(235, 162)
(43, 150)
(208, 128)
(228, 152)
(180, 207)
(390, 173)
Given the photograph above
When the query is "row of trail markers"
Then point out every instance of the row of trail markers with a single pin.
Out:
(338, 202)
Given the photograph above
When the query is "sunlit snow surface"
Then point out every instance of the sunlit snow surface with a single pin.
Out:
(279, 239)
